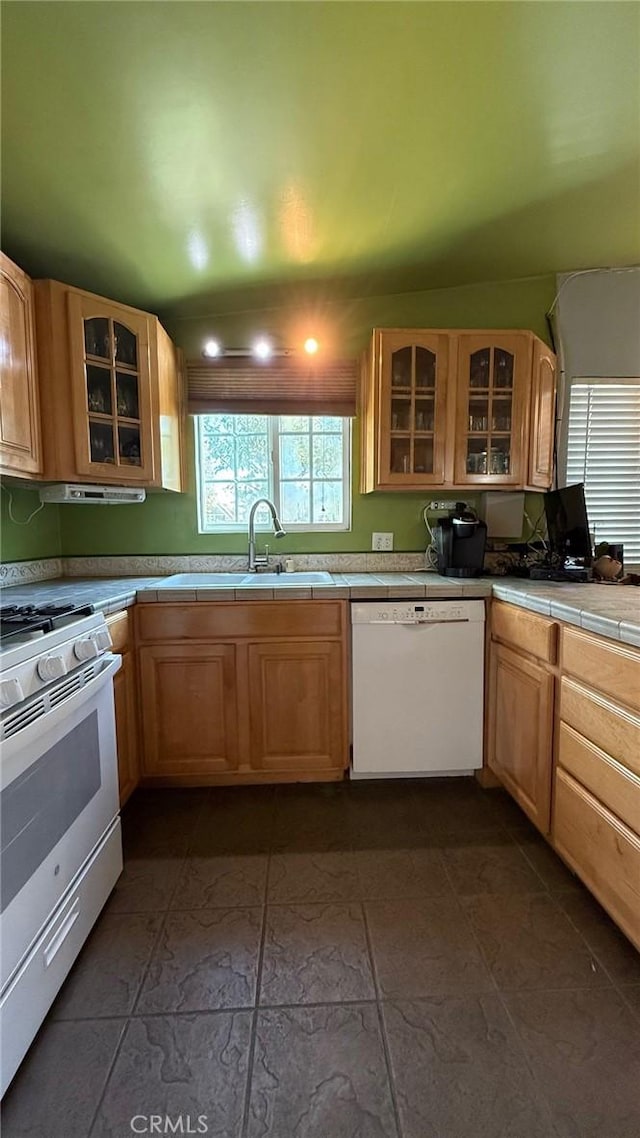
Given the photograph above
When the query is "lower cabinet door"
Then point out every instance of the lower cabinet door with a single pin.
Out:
(521, 731)
(126, 704)
(297, 712)
(189, 709)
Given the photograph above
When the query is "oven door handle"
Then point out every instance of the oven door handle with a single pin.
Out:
(50, 720)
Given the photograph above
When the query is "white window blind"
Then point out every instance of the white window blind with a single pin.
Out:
(603, 451)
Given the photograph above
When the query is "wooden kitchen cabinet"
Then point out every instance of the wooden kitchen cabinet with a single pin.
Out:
(456, 409)
(296, 706)
(110, 389)
(404, 415)
(520, 730)
(596, 811)
(20, 440)
(491, 421)
(189, 709)
(250, 691)
(125, 695)
(563, 736)
(543, 417)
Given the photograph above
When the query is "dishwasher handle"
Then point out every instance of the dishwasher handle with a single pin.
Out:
(428, 623)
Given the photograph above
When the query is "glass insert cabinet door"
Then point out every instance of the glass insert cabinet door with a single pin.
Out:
(493, 378)
(111, 387)
(413, 381)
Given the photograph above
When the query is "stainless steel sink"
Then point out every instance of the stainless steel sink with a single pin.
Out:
(284, 580)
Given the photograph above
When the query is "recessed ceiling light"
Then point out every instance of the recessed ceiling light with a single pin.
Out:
(212, 349)
(311, 346)
(262, 349)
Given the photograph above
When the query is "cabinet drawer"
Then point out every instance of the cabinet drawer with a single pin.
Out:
(610, 782)
(524, 630)
(611, 668)
(612, 728)
(601, 849)
(120, 631)
(166, 622)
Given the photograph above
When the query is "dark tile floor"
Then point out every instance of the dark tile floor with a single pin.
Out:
(358, 961)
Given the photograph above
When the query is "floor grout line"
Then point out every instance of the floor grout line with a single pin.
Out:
(110, 1070)
(381, 1023)
(254, 1019)
(540, 1096)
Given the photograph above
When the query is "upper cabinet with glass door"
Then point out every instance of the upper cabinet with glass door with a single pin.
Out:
(456, 408)
(105, 377)
(494, 376)
(111, 390)
(407, 398)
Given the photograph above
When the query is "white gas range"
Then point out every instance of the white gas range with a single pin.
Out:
(61, 849)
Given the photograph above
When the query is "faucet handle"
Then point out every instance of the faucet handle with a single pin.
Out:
(266, 554)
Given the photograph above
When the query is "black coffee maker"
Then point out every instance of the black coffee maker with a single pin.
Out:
(460, 542)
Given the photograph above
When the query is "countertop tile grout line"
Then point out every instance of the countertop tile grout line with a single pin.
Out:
(381, 1023)
(541, 1098)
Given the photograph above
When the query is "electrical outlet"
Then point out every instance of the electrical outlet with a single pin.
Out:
(382, 542)
(442, 505)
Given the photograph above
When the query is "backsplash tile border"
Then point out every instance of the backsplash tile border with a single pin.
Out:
(165, 566)
(29, 572)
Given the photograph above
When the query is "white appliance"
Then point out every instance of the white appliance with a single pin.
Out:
(60, 830)
(418, 687)
(63, 492)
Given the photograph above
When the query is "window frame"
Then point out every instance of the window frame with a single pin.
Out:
(273, 481)
(563, 433)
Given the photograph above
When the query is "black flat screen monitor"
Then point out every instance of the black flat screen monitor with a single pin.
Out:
(567, 522)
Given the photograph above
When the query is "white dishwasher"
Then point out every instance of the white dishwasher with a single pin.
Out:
(417, 687)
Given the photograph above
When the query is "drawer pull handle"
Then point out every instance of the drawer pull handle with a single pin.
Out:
(59, 937)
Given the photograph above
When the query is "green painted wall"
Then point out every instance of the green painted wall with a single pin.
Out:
(40, 538)
(167, 524)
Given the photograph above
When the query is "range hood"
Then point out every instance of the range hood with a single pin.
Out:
(71, 492)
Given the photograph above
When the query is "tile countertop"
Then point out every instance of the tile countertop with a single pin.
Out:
(610, 610)
(106, 593)
(349, 586)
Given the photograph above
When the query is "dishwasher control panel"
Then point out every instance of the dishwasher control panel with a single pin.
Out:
(416, 612)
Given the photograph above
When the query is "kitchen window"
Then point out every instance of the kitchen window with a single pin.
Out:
(301, 462)
(602, 449)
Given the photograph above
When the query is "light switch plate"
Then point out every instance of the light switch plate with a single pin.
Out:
(382, 542)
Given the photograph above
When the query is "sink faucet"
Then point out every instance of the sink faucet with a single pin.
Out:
(255, 562)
